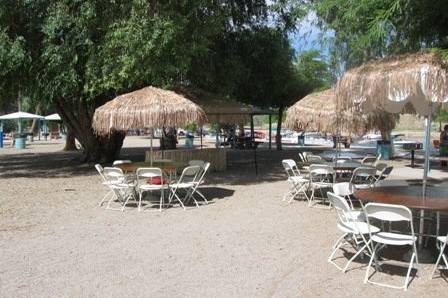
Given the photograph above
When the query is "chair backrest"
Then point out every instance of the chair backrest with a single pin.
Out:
(368, 160)
(196, 162)
(100, 170)
(389, 213)
(290, 167)
(363, 175)
(380, 166)
(121, 162)
(302, 157)
(200, 177)
(320, 172)
(145, 174)
(343, 189)
(113, 174)
(189, 174)
(313, 158)
(342, 208)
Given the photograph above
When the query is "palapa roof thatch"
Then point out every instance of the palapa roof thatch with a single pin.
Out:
(319, 112)
(217, 108)
(411, 82)
(149, 107)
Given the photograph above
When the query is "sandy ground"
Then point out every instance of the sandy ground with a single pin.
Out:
(56, 241)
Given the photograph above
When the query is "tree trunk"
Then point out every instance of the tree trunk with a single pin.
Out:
(35, 124)
(278, 137)
(70, 143)
(77, 115)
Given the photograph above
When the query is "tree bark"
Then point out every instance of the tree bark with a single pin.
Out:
(70, 143)
(278, 137)
(77, 115)
(34, 125)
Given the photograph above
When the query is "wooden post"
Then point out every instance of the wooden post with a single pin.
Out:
(252, 132)
(201, 136)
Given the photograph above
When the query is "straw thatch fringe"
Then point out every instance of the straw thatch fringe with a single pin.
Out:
(318, 112)
(217, 108)
(149, 107)
(392, 83)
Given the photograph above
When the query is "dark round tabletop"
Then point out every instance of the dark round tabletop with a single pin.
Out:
(436, 198)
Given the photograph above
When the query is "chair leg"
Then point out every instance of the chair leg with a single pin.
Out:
(366, 278)
(438, 260)
(336, 247)
(105, 197)
(201, 195)
(406, 281)
(140, 201)
(354, 257)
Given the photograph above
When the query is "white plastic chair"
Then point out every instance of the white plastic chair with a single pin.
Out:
(314, 158)
(363, 177)
(121, 162)
(345, 190)
(298, 183)
(320, 177)
(144, 184)
(123, 190)
(390, 213)
(186, 182)
(100, 171)
(355, 232)
(369, 160)
(196, 162)
(198, 182)
(441, 245)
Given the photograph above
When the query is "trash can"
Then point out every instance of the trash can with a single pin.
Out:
(1, 139)
(20, 141)
(384, 148)
(189, 138)
(301, 140)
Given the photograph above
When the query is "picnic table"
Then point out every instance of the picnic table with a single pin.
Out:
(169, 167)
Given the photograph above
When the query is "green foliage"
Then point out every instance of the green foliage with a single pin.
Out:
(373, 28)
(313, 71)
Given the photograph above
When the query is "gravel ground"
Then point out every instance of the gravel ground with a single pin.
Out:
(56, 241)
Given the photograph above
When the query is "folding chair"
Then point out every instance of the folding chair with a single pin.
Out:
(363, 177)
(121, 162)
(314, 158)
(369, 160)
(355, 232)
(100, 171)
(195, 162)
(320, 177)
(198, 182)
(122, 189)
(185, 183)
(149, 180)
(298, 184)
(382, 172)
(441, 245)
(388, 213)
(345, 190)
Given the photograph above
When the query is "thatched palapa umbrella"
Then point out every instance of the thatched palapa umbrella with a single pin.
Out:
(319, 112)
(149, 107)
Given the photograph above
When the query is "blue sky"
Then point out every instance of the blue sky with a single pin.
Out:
(309, 36)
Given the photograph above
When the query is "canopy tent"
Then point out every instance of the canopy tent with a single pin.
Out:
(149, 107)
(319, 112)
(53, 117)
(20, 116)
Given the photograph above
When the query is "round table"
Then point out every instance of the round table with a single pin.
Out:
(329, 155)
(435, 199)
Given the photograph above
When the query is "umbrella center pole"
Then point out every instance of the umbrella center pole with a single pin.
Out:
(427, 151)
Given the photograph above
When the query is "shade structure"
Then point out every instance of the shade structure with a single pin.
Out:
(218, 108)
(149, 107)
(53, 117)
(319, 112)
(20, 116)
(412, 82)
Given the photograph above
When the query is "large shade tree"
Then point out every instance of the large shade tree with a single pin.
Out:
(78, 54)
